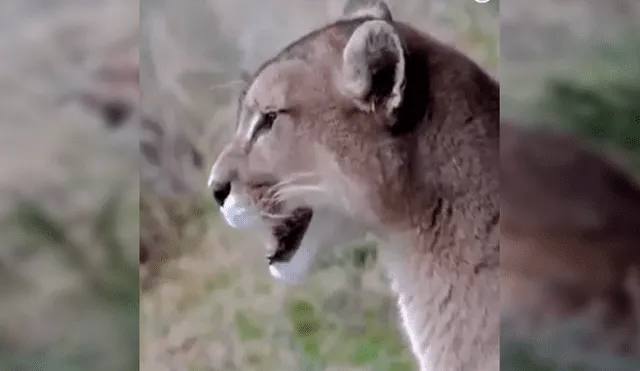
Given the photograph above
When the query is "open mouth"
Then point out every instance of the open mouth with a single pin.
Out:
(288, 234)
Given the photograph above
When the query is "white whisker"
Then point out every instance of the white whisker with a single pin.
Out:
(296, 177)
(295, 190)
(270, 215)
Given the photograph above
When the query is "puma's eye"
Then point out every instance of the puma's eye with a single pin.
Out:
(266, 123)
(268, 120)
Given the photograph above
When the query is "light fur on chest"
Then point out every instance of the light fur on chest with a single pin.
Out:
(452, 322)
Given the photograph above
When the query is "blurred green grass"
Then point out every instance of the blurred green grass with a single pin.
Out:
(109, 285)
(221, 297)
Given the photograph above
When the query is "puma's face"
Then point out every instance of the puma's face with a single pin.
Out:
(296, 137)
(269, 174)
(271, 181)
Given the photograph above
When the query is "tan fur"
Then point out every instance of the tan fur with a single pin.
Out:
(411, 155)
(570, 233)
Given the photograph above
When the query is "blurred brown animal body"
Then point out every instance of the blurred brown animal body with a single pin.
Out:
(570, 231)
(400, 134)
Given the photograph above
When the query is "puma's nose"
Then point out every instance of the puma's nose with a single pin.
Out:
(221, 192)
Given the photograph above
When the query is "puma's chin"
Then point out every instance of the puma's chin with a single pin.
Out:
(290, 254)
(289, 273)
(294, 241)
(297, 240)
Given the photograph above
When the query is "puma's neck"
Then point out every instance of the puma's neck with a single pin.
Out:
(447, 282)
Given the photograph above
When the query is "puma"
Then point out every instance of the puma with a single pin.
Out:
(570, 236)
(368, 126)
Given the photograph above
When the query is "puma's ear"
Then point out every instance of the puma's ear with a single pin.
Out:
(373, 68)
(366, 8)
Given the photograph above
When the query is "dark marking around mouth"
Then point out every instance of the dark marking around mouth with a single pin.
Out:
(288, 235)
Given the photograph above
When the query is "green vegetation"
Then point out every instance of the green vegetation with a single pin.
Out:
(110, 285)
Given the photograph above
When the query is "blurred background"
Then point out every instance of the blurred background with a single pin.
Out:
(573, 66)
(208, 301)
(68, 185)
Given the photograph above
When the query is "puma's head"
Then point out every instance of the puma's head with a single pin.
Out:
(330, 127)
